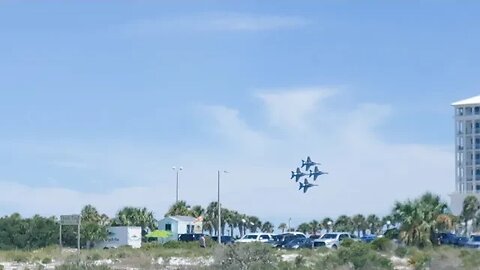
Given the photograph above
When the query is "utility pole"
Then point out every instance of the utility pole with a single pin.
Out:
(219, 210)
(177, 171)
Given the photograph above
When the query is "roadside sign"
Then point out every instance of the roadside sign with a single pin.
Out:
(70, 219)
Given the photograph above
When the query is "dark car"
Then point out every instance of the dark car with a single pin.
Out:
(285, 238)
(314, 237)
(368, 238)
(189, 237)
(460, 241)
(224, 239)
(446, 238)
(299, 243)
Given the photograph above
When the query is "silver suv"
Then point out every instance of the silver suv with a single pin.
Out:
(333, 239)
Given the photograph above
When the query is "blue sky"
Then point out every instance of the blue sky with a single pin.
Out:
(99, 99)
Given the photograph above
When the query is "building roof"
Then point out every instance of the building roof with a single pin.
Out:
(183, 218)
(469, 101)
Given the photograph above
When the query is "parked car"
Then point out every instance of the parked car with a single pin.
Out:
(189, 237)
(446, 238)
(282, 239)
(255, 237)
(225, 239)
(460, 241)
(368, 238)
(473, 242)
(299, 242)
(314, 237)
(333, 239)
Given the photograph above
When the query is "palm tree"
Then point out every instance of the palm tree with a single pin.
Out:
(374, 223)
(344, 224)
(471, 206)
(267, 227)
(232, 220)
(253, 223)
(314, 226)
(327, 223)
(93, 225)
(211, 217)
(132, 216)
(304, 228)
(283, 227)
(180, 208)
(242, 224)
(360, 224)
(419, 219)
(197, 211)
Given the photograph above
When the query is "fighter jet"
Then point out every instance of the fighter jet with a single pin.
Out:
(309, 163)
(298, 174)
(305, 185)
(316, 173)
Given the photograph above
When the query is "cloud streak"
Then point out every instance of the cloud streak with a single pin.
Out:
(216, 23)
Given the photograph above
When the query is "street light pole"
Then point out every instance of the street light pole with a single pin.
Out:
(177, 171)
(219, 209)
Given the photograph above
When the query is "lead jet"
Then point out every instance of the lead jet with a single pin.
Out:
(309, 163)
(298, 174)
(316, 173)
(306, 185)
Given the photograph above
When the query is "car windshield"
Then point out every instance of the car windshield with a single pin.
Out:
(329, 236)
(277, 237)
(476, 238)
(250, 236)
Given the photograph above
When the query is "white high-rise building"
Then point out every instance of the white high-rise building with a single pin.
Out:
(467, 151)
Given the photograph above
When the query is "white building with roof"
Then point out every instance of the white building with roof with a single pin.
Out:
(467, 151)
(178, 225)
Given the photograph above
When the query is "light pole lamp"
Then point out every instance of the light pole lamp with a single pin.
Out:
(219, 209)
(329, 223)
(177, 170)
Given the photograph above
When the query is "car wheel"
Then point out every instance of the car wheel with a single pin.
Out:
(334, 247)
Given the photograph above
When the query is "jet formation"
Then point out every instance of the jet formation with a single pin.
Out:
(298, 174)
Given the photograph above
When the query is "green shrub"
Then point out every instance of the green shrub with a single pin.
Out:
(347, 242)
(254, 256)
(401, 252)
(382, 244)
(94, 256)
(172, 244)
(46, 260)
(78, 265)
(151, 246)
(470, 259)
(361, 256)
(2, 267)
(419, 260)
(20, 257)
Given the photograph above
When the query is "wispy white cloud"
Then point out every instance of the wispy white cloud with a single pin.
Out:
(293, 108)
(69, 164)
(216, 22)
(229, 124)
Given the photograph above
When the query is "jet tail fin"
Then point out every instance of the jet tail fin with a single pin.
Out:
(303, 163)
(293, 175)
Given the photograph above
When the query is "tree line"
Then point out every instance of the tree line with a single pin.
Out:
(416, 223)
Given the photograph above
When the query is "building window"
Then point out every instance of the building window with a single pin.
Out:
(477, 110)
(468, 111)
(460, 111)
(478, 187)
(168, 227)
